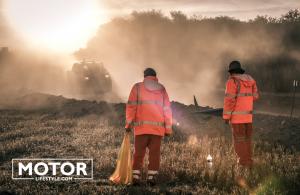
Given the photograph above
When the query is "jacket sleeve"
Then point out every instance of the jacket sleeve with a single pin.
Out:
(255, 92)
(229, 99)
(131, 107)
(167, 113)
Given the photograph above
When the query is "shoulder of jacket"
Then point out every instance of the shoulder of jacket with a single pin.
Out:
(253, 79)
(231, 80)
(162, 87)
(137, 84)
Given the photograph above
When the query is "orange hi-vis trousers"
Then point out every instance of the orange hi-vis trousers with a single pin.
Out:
(141, 142)
(242, 134)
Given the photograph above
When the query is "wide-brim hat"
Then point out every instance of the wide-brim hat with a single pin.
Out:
(235, 66)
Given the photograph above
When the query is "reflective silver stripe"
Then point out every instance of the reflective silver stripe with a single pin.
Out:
(139, 123)
(167, 108)
(128, 122)
(132, 102)
(237, 112)
(136, 177)
(255, 94)
(150, 177)
(230, 95)
(227, 112)
(152, 102)
(136, 171)
(168, 126)
(152, 172)
(238, 95)
(145, 102)
(244, 94)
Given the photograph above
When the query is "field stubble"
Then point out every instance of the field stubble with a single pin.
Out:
(183, 163)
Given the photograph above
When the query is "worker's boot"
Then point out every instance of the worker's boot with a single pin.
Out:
(136, 177)
(152, 177)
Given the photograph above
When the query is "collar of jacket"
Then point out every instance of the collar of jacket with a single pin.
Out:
(153, 78)
(243, 77)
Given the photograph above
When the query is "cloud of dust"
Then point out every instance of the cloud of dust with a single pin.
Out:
(23, 71)
(191, 56)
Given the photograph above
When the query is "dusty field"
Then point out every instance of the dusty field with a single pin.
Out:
(62, 133)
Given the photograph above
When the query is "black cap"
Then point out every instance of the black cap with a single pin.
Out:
(149, 72)
(235, 67)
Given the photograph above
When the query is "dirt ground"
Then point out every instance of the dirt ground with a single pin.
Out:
(61, 128)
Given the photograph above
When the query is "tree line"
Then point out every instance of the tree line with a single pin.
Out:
(191, 47)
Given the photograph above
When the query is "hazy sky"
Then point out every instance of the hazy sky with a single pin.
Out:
(66, 25)
(242, 9)
(59, 26)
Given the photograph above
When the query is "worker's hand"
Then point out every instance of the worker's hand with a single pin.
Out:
(128, 130)
(226, 121)
(167, 134)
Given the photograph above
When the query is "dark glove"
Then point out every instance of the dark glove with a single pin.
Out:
(226, 121)
(128, 129)
(167, 134)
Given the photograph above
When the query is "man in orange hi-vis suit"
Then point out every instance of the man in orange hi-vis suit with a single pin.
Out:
(241, 91)
(148, 112)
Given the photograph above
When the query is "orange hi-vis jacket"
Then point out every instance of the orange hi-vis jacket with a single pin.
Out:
(148, 109)
(241, 91)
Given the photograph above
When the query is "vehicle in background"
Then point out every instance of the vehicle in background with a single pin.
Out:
(89, 80)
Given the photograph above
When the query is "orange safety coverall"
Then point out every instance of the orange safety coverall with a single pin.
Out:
(241, 91)
(149, 113)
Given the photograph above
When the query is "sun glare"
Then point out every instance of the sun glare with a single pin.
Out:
(62, 26)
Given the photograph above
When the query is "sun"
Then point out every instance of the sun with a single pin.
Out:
(57, 25)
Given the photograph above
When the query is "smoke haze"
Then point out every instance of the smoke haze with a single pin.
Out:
(191, 55)
(243, 10)
(25, 70)
(7, 36)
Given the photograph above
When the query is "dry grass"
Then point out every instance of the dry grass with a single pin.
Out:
(183, 165)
